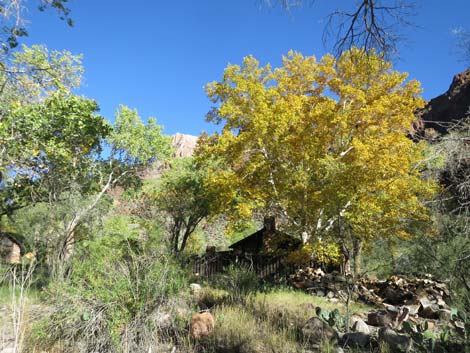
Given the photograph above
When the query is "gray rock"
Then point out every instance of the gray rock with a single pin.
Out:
(330, 294)
(356, 339)
(394, 340)
(320, 293)
(353, 319)
(316, 331)
(361, 326)
(195, 288)
(413, 308)
(425, 302)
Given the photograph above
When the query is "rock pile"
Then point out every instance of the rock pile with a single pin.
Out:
(422, 297)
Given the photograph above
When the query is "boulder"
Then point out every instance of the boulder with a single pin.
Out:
(315, 331)
(356, 339)
(430, 312)
(195, 288)
(380, 318)
(202, 324)
(395, 341)
(360, 326)
(445, 314)
(413, 309)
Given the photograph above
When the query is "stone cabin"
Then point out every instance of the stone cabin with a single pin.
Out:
(11, 248)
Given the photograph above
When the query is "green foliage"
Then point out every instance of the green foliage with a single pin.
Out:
(39, 71)
(43, 225)
(120, 280)
(135, 143)
(52, 145)
(238, 281)
(179, 194)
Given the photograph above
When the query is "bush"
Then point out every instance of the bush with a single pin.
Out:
(116, 298)
(238, 282)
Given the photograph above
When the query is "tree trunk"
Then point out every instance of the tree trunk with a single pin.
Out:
(357, 253)
(346, 261)
(68, 246)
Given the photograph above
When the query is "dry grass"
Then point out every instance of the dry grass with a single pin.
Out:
(238, 330)
(268, 322)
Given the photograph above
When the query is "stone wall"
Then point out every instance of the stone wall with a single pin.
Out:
(10, 252)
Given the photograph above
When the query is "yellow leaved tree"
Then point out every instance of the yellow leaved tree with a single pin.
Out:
(322, 145)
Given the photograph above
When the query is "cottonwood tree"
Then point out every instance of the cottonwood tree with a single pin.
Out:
(34, 86)
(133, 146)
(319, 144)
(60, 158)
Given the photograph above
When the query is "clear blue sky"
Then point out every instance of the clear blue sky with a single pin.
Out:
(156, 56)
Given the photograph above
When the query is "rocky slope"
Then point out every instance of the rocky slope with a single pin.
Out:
(441, 112)
(184, 144)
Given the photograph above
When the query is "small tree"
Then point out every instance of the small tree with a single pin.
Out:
(182, 198)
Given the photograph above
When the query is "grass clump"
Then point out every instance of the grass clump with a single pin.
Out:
(238, 330)
(209, 297)
(289, 309)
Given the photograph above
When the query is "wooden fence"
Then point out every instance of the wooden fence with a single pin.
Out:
(264, 266)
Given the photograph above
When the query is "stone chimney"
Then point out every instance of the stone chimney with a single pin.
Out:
(270, 224)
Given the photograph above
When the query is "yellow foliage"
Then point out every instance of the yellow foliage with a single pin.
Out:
(326, 252)
(320, 143)
(322, 252)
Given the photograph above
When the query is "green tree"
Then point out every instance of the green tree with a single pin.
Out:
(49, 146)
(320, 144)
(59, 156)
(29, 77)
(181, 196)
(133, 146)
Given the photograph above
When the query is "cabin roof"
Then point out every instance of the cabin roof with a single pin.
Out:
(254, 240)
(15, 238)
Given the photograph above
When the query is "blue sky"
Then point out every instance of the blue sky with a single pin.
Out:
(157, 56)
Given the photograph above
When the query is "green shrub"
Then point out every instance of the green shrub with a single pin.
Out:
(116, 297)
(238, 282)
